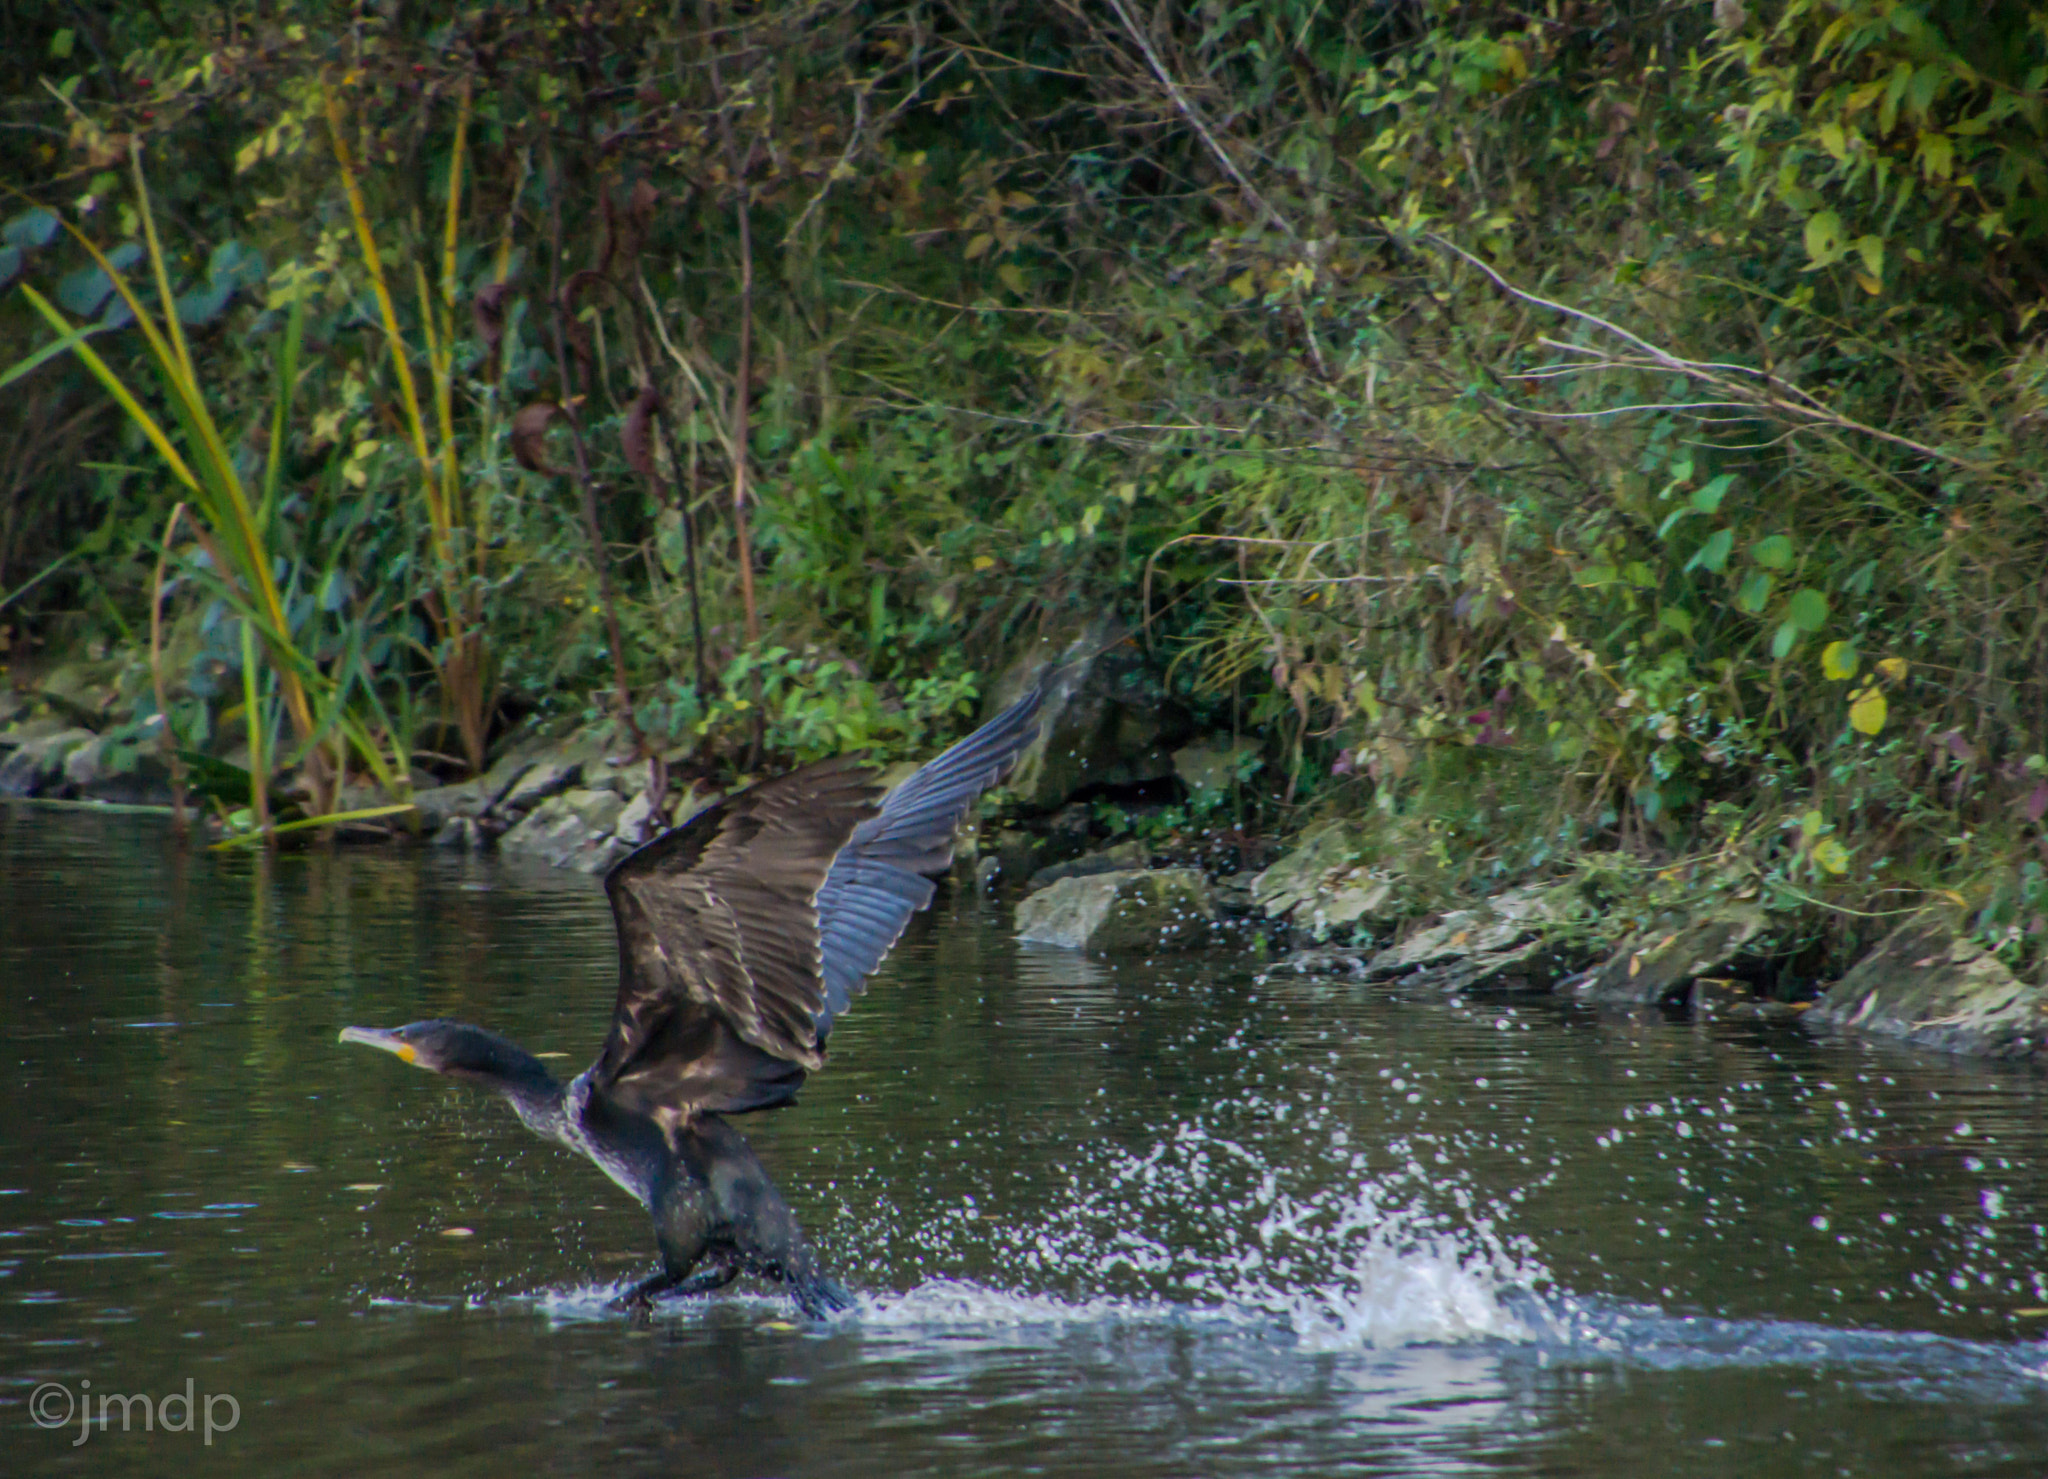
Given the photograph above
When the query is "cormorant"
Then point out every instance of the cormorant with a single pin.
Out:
(742, 935)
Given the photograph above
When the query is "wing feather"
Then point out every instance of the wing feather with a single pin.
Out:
(878, 879)
(746, 931)
(718, 915)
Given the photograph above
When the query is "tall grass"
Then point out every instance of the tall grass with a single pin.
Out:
(458, 533)
(236, 533)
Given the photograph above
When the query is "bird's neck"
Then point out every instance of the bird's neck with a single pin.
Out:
(534, 1094)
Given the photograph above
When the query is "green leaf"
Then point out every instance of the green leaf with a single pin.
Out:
(1823, 238)
(1713, 555)
(86, 291)
(204, 305)
(1708, 499)
(1831, 855)
(1773, 553)
(1755, 592)
(32, 228)
(1676, 618)
(1784, 640)
(1807, 609)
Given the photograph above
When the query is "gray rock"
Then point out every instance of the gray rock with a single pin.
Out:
(540, 780)
(1500, 924)
(1106, 720)
(559, 832)
(1117, 859)
(633, 824)
(986, 871)
(459, 834)
(1322, 887)
(1660, 965)
(1233, 897)
(37, 766)
(1167, 909)
(83, 767)
(503, 773)
(440, 804)
(29, 730)
(1929, 987)
(1212, 766)
(598, 810)
(1506, 943)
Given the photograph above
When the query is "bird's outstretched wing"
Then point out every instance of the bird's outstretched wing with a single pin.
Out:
(879, 879)
(745, 931)
(716, 917)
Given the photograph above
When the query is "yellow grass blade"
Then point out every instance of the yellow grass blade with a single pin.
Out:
(332, 818)
(105, 375)
(373, 263)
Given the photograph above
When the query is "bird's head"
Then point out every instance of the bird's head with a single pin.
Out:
(457, 1050)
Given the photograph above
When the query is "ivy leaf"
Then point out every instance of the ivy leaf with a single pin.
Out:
(34, 227)
(1867, 710)
(1839, 660)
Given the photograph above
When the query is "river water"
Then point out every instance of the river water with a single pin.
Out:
(1135, 1218)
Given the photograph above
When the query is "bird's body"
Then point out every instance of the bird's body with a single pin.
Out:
(742, 935)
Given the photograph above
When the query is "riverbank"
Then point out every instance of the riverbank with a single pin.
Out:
(1113, 838)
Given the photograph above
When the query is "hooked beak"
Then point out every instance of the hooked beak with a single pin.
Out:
(377, 1037)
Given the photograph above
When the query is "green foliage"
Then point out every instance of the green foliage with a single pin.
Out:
(1610, 428)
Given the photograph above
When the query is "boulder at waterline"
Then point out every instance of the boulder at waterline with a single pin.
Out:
(572, 830)
(1660, 965)
(37, 765)
(1135, 909)
(1930, 987)
(1120, 858)
(544, 778)
(1323, 887)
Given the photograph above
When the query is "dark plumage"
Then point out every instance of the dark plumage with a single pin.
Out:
(743, 935)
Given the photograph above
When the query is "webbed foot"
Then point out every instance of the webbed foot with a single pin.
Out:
(820, 1297)
(639, 1300)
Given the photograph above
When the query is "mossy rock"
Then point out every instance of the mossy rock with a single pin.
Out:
(1132, 910)
(1929, 987)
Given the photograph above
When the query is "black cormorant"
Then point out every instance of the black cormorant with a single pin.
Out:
(742, 935)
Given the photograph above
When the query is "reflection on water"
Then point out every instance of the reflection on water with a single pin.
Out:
(1155, 1218)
